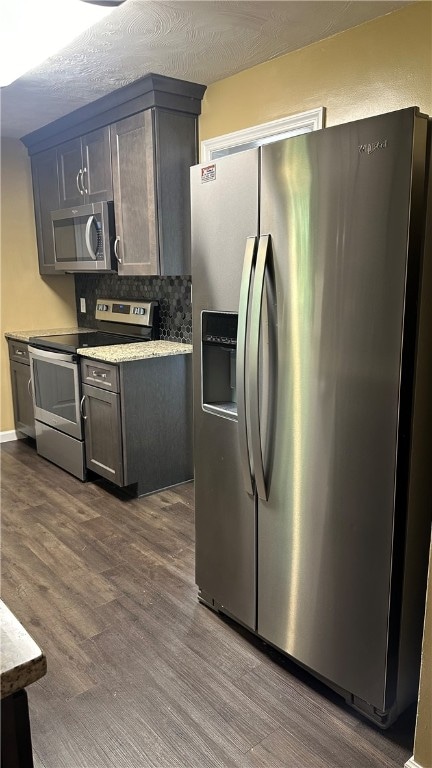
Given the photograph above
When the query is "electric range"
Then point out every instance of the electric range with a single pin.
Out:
(117, 323)
(56, 379)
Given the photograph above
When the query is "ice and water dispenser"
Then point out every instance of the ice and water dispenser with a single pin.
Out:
(219, 344)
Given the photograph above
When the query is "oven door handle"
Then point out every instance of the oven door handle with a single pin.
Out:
(44, 354)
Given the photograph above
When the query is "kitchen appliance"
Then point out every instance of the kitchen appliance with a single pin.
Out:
(312, 296)
(56, 382)
(84, 238)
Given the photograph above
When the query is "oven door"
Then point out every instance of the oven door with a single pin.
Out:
(56, 390)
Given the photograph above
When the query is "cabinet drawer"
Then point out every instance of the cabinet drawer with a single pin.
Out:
(18, 350)
(100, 375)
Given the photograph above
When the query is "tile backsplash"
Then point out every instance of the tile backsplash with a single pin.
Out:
(173, 294)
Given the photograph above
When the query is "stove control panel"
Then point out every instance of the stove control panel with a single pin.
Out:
(133, 312)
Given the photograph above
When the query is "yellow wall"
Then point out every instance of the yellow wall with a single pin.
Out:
(28, 301)
(377, 67)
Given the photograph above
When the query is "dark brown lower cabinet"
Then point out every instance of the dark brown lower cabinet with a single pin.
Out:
(138, 421)
(103, 433)
(21, 388)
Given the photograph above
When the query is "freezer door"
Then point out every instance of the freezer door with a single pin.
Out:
(224, 201)
(336, 203)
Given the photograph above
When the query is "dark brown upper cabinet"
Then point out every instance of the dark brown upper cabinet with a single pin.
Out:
(84, 169)
(152, 152)
(134, 146)
(46, 199)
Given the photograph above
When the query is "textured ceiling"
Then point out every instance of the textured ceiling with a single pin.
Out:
(198, 41)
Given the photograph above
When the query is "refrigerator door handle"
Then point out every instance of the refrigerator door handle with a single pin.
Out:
(242, 333)
(255, 333)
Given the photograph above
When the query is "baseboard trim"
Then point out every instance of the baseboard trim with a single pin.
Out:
(7, 437)
(411, 763)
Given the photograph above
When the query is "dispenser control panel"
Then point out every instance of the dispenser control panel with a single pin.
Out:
(219, 328)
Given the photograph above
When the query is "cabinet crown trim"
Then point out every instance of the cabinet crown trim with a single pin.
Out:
(150, 91)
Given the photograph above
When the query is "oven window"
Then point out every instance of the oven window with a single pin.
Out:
(55, 389)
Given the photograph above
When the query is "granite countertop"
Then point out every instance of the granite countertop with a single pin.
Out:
(142, 350)
(115, 353)
(22, 661)
(25, 335)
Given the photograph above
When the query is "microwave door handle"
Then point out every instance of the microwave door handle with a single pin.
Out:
(116, 249)
(90, 221)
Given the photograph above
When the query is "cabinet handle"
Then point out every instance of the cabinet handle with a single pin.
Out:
(19, 352)
(82, 407)
(84, 186)
(29, 387)
(79, 182)
(97, 375)
(116, 245)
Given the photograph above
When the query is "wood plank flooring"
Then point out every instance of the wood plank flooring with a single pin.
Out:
(139, 673)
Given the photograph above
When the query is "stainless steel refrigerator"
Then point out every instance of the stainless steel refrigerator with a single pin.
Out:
(312, 332)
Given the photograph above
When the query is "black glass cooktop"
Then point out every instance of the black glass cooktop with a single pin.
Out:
(70, 342)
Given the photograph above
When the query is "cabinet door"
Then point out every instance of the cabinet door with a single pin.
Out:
(103, 433)
(69, 164)
(96, 158)
(46, 199)
(22, 399)
(133, 158)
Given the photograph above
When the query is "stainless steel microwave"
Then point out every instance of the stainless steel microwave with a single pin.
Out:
(84, 238)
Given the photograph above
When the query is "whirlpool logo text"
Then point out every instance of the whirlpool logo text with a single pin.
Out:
(371, 147)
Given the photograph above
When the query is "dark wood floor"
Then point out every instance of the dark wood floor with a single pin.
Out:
(139, 673)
